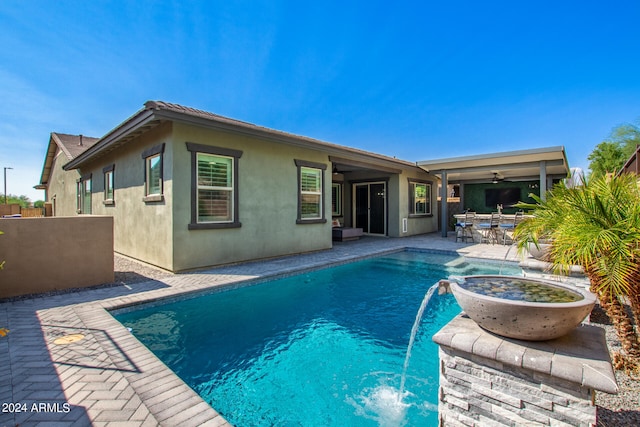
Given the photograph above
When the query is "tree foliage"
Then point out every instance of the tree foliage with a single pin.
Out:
(23, 201)
(607, 157)
(611, 154)
(628, 136)
(596, 226)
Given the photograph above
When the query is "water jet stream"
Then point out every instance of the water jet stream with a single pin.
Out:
(414, 332)
(505, 257)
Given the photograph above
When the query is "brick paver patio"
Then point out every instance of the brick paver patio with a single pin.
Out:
(106, 377)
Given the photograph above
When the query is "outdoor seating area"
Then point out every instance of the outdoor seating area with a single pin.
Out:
(344, 234)
(492, 228)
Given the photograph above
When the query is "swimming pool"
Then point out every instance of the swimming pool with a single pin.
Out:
(322, 348)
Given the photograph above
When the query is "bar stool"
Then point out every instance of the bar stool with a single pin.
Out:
(510, 226)
(464, 229)
(489, 230)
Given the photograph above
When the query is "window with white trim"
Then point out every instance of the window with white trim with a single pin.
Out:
(215, 188)
(419, 198)
(310, 192)
(214, 192)
(108, 185)
(153, 173)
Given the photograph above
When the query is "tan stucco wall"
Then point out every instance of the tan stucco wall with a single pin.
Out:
(418, 224)
(47, 254)
(268, 205)
(158, 232)
(142, 230)
(61, 191)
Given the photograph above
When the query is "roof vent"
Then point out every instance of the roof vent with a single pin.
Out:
(80, 144)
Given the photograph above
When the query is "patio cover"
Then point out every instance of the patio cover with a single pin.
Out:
(543, 164)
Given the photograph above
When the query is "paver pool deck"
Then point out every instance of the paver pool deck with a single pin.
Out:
(106, 377)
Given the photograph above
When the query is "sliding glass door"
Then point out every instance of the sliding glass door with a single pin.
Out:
(370, 207)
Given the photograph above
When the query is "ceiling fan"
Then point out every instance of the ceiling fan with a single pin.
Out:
(496, 179)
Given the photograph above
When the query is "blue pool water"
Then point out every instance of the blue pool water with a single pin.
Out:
(324, 348)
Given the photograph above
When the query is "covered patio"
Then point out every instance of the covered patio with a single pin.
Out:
(497, 176)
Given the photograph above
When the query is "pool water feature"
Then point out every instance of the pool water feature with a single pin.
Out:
(528, 309)
(321, 348)
(519, 290)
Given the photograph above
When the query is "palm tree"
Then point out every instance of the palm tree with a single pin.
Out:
(596, 226)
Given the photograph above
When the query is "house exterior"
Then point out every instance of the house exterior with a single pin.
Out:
(631, 165)
(189, 189)
(57, 182)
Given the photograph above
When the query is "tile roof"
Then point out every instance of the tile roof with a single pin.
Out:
(73, 145)
(155, 112)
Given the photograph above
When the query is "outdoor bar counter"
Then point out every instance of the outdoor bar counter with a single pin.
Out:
(478, 234)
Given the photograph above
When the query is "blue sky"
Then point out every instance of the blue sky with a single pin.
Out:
(415, 80)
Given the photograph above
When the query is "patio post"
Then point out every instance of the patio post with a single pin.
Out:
(443, 209)
(543, 179)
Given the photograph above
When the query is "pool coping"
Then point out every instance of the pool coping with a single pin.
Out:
(111, 308)
(123, 380)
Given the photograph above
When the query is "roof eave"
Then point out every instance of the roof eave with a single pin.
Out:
(53, 146)
(501, 155)
(152, 113)
(244, 128)
(139, 119)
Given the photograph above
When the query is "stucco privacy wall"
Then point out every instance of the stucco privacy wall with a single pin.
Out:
(53, 253)
(268, 202)
(142, 230)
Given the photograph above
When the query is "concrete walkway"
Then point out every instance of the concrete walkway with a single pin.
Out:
(67, 361)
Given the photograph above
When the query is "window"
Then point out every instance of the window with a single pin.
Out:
(336, 199)
(108, 185)
(214, 192)
(154, 175)
(419, 198)
(311, 192)
(153, 186)
(215, 188)
(84, 195)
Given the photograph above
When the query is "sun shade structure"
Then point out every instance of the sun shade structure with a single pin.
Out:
(543, 164)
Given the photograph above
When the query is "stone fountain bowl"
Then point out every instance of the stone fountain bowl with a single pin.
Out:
(522, 308)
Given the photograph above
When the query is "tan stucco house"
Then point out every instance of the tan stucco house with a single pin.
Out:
(190, 189)
(55, 180)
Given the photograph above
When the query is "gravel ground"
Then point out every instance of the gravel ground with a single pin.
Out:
(614, 410)
(129, 271)
(622, 409)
